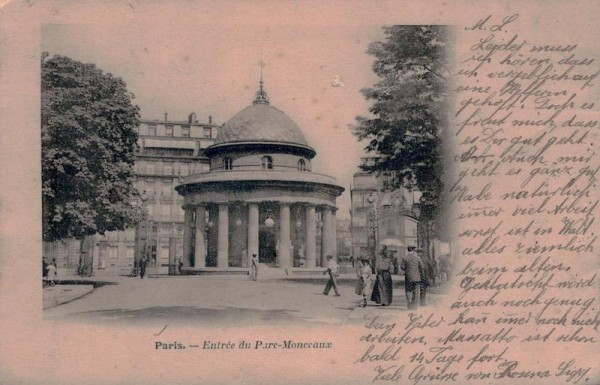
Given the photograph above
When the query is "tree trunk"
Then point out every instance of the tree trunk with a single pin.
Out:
(86, 259)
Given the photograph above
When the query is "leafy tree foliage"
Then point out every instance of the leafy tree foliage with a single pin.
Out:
(409, 104)
(88, 145)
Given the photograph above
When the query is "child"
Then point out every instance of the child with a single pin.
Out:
(51, 274)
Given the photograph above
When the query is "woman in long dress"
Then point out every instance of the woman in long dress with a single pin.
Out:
(364, 276)
(383, 290)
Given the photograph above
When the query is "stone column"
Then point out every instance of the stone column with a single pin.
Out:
(326, 236)
(333, 233)
(284, 235)
(200, 243)
(187, 236)
(253, 227)
(311, 237)
(223, 250)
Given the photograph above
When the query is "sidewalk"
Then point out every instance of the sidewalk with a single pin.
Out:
(60, 294)
(70, 288)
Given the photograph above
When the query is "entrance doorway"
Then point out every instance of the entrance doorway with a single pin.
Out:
(266, 247)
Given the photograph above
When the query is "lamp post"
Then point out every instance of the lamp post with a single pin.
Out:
(416, 211)
(269, 221)
(141, 231)
(373, 220)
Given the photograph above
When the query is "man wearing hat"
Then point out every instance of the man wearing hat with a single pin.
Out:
(427, 276)
(333, 271)
(413, 268)
(254, 267)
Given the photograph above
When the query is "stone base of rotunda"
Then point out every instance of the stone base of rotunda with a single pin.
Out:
(295, 271)
(214, 271)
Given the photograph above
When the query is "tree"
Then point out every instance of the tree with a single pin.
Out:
(88, 146)
(408, 112)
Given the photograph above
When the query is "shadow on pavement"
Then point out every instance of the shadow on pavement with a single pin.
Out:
(190, 315)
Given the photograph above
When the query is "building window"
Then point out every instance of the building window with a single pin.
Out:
(166, 212)
(150, 187)
(267, 162)
(169, 130)
(301, 165)
(152, 129)
(207, 132)
(167, 189)
(130, 253)
(227, 164)
(168, 168)
(185, 131)
(184, 169)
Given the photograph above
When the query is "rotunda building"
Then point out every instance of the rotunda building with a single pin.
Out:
(259, 197)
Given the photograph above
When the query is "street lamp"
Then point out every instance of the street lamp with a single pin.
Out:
(416, 211)
(140, 246)
(269, 222)
(373, 219)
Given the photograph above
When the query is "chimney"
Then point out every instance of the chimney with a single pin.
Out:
(209, 119)
(166, 116)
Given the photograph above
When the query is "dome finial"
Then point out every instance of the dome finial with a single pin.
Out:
(261, 95)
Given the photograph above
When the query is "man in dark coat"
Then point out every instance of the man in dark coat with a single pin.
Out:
(142, 267)
(427, 277)
(413, 269)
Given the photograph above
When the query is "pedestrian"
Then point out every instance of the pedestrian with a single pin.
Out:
(427, 275)
(445, 268)
(364, 279)
(413, 270)
(142, 267)
(383, 288)
(51, 274)
(180, 266)
(395, 262)
(333, 270)
(254, 267)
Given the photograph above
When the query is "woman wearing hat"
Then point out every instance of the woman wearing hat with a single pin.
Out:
(383, 290)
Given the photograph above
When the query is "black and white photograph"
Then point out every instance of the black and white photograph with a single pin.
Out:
(260, 175)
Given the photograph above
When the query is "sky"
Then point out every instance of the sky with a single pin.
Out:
(177, 65)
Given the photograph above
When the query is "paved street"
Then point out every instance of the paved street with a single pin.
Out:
(218, 301)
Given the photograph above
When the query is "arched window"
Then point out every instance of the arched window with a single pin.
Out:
(227, 164)
(301, 165)
(267, 162)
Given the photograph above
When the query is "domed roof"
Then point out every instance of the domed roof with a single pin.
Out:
(261, 122)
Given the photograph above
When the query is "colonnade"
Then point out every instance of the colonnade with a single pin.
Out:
(195, 233)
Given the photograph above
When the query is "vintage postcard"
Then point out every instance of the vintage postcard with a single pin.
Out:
(295, 192)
